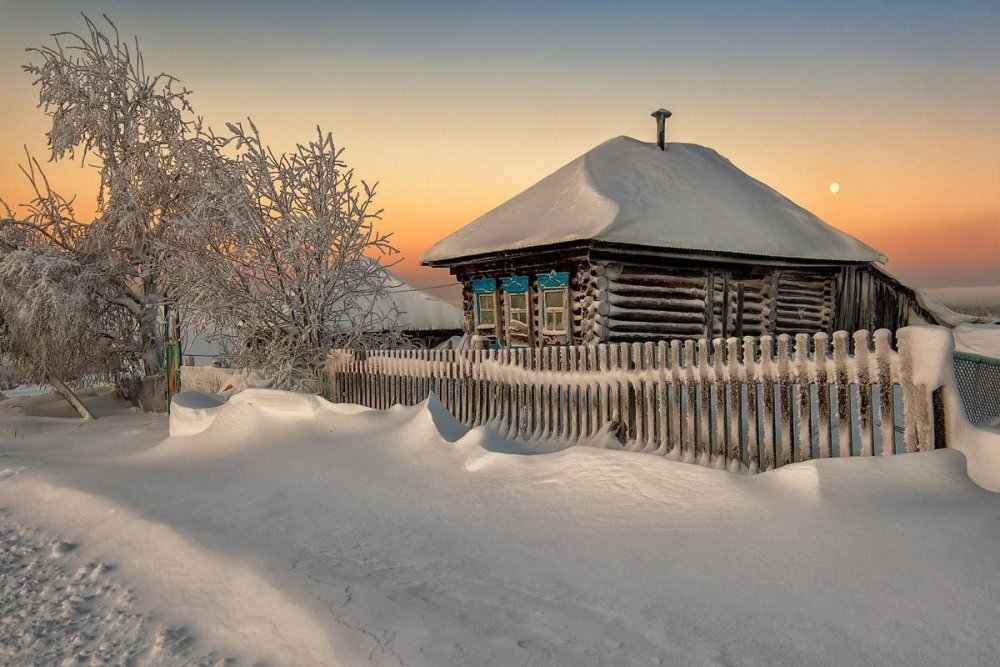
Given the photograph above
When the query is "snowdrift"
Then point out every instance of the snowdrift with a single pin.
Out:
(355, 536)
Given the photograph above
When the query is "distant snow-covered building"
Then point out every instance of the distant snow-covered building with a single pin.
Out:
(426, 319)
(635, 241)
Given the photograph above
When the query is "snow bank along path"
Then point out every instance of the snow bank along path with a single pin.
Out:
(400, 537)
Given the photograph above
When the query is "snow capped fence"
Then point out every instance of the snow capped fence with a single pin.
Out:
(745, 404)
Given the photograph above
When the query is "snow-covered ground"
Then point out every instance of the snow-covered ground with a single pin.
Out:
(287, 530)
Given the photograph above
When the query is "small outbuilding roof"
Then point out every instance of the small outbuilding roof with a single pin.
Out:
(418, 309)
(686, 198)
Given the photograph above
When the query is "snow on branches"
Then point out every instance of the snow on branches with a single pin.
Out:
(274, 252)
(149, 149)
(277, 254)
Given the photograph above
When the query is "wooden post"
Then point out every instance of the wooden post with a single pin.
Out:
(844, 427)
(804, 396)
(704, 377)
(862, 361)
(649, 386)
(721, 440)
(820, 346)
(676, 437)
(662, 387)
(785, 399)
(771, 459)
(737, 445)
(690, 372)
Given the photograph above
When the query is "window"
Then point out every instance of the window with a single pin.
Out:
(554, 310)
(554, 303)
(485, 294)
(486, 310)
(516, 310)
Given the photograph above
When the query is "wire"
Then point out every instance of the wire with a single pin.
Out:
(424, 289)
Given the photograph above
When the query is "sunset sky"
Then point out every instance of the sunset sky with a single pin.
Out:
(455, 107)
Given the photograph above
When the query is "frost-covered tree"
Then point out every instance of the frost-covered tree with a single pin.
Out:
(141, 134)
(55, 324)
(271, 248)
(277, 256)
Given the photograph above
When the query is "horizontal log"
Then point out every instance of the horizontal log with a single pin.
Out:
(789, 326)
(616, 314)
(634, 271)
(656, 292)
(662, 328)
(808, 311)
(657, 280)
(653, 303)
(817, 293)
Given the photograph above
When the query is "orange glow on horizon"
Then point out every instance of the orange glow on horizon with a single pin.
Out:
(451, 132)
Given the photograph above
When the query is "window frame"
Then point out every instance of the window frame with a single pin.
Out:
(562, 310)
(480, 324)
(550, 284)
(516, 288)
(484, 288)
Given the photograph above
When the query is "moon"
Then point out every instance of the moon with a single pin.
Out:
(834, 188)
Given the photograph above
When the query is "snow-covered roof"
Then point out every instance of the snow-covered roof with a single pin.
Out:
(419, 310)
(687, 197)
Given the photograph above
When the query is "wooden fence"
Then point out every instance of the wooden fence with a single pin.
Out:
(746, 404)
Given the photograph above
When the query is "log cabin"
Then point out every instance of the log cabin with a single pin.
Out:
(636, 241)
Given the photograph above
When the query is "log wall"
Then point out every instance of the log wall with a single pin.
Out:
(650, 299)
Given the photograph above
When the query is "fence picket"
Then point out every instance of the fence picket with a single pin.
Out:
(752, 371)
(691, 388)
(862, 359)
(803, 396)
(675, 435)
(845, 428)
(771, 459)
(734, 417)
(784, 386)
(824, 421)
(887, 418)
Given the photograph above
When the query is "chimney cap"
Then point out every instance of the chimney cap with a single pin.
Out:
(661, 115)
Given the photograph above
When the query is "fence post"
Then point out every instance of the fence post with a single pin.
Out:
(862, 361)
(705, 384)
(823, 419)
(843, 392)
(804, 380)
(885, 377)
(752, 373)
(925, 360)
(784, 407)
(771, 458)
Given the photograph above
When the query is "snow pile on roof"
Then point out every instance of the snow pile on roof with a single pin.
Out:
(293, 531)
(685, 198)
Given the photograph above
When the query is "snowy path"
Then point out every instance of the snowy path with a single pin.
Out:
(59, 609)
(295, 532)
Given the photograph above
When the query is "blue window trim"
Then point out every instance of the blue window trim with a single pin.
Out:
(553, 280)
(481, 285)
(515, 284)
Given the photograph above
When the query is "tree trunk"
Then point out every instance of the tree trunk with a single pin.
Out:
(70, 397)
(152, 353)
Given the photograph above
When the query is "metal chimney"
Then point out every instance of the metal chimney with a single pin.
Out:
(661, 115)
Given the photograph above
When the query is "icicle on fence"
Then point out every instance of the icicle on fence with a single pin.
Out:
(751, 404)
